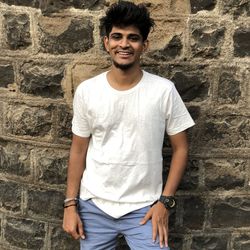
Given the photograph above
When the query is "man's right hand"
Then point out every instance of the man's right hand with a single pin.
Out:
(72, 223)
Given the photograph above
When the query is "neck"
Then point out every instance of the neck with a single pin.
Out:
(124, 79)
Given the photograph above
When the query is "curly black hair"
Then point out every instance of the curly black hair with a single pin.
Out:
(123, 14)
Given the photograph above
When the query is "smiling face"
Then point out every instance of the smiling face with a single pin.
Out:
(125, 46)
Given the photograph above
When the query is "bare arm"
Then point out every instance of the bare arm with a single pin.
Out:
(179, 145)
(77, 159)
(158, 213)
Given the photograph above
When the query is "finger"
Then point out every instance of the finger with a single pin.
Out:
(161, 234)
(165, 231)
(74, 234)
(154, 230)
(146, 218)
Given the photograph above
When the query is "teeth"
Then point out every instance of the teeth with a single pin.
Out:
(123, 53)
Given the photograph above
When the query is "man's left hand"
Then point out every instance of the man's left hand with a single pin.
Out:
(159, 217)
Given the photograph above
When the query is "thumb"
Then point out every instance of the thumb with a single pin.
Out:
(146, 217)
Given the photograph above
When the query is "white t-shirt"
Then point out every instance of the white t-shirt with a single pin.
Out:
(124, 159)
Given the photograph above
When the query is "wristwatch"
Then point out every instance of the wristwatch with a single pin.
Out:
(168, 201)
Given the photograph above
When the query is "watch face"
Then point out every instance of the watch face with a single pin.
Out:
(168, 201)
(171, 202)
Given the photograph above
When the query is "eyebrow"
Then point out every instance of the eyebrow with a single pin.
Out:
(129, 35)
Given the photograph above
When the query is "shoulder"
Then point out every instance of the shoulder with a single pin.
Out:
(91, 83)
(158, 82)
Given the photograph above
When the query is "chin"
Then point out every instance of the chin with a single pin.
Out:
(123, 66)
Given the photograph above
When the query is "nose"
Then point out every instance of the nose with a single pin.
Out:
(124, 43)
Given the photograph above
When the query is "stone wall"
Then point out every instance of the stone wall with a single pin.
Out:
(48, 47)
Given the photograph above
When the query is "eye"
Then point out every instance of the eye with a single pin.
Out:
(115, 36)
(134, 38)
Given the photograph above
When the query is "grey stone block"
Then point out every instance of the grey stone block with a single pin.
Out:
(218, 242)
(6, 74)
(14, 159)
(75, 37)
(42, 79)
(25, 120)
(191, 82)
(225, 174)
(231, 213)
(61, 240)
(17, 29)
(241, 242)
(172, 50)
(25, 233)
(241, 39)
(222, 131)
(194, 213)
(51, 166)
(190, 180)
(45, 203)
(236, 8)
(10, 196)
(29, 3)
(198, 5)
(206, 39)
(65, 122)
(229, 86)
(175, 242)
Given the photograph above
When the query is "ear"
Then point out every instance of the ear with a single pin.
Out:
(145, 45)
(106, 43)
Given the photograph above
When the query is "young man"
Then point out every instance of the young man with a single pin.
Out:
(119, 121)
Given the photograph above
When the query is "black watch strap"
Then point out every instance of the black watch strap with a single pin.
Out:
(168, 201)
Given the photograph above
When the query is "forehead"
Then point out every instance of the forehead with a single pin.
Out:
(126, 30)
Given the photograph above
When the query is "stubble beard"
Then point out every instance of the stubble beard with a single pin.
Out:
(123, 66)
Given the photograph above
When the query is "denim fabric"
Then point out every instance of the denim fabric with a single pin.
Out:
(101, 230)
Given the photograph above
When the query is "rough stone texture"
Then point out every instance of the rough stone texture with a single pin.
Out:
(51, 166)
(29, 3)
(229, 87)
(52, 199)
(225, 174)
(65, 119)
(48, 47)
(171, 50)
(17, 31)
(206, 39)
(65, 35)
(62, 241)
(241, 44)
(236, 8)
(6, 74)
(175, 242)
(19, 120)
(24, 233)
(191, 82)
(227, 130)
(210, 242)
(14, 159)
(10, 196)
(231, 212)
(198, 5)
(42, 79)
(190, 179)
(52, 6)
(194, 213)
(242, 242)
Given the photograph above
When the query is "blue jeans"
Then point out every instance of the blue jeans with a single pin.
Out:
(101, 230)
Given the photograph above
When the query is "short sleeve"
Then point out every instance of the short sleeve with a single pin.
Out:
(177, 116)
(80, 123)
